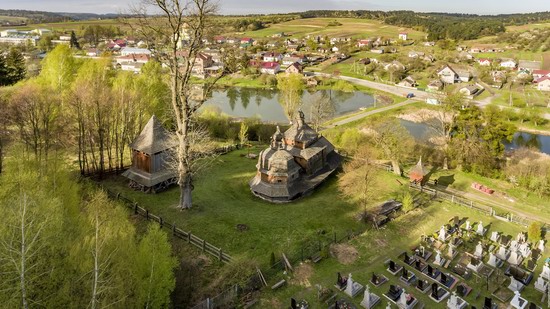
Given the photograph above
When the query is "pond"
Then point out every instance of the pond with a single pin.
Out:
(422, 132)
(264, 104)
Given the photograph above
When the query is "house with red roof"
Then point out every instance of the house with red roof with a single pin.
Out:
(543, 84)
(270, 68)
(537, 74)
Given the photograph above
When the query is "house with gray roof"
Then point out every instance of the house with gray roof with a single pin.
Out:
(296, 162)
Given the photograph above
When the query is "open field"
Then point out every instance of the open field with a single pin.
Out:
(527, 27)
(351, 27)
(11, 19)
(70, 25)
(222, 199)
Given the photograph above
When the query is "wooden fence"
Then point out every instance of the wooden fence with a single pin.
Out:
(188, 237)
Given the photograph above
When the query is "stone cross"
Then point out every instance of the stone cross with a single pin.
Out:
(468, 227)
(545, 271)
(480, 229)
(442, 234)
(349, 287)
(366, 298)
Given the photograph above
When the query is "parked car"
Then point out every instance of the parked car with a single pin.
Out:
(410, 95)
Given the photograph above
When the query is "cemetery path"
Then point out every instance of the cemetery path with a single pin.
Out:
(369, 113)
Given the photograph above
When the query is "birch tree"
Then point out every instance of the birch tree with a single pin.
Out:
(291, 87)
(177, 31)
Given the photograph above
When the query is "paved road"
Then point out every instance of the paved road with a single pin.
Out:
(371, 112)
(402, 91)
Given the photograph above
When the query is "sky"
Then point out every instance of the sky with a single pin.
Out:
(283, 6)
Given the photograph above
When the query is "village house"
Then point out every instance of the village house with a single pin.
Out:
(133, 62)
(543, 84)
(363, 43)
(272, 57)
(538, 74)
(294, 68)
(290, 59)
(435, 85)
(134, 51)
(202, 61)
(448, 75)
(296, 162)
(415, 54)
(471, 90)
(465, 56)
(394, 65)
(530, 66)
(271, 68)
(499, 77)
(245, 42)
(92, 52)
(219, 39)
(409, 82)
(484, 62)
(508, 63)
(403, 36)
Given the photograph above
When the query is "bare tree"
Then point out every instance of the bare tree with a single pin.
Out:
(177, 33)
(322, 108)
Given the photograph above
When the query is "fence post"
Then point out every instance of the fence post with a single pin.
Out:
(160, 221)
(220, 254)
(135, 208)
(189, 237)
(452, 199)
(174, 229)
(118, 196)
(203, 246)
(147, 214)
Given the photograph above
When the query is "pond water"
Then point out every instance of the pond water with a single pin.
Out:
(264, 104)
(422, 132)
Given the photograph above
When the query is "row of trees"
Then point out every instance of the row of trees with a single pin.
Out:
(68, 246)
(85, 105)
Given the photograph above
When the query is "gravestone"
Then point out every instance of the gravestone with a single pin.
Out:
(378, 280)
(480, 229)
(521, 238)
(518, 302)
(545, 271)
(442, 234)
(515, 285)
(525, 250)
(479, 250)
(514, 245)
(515, 258)
(439, 261)
(451, 252)
(495, 236)
(475, 265)
(488, 303)
(394, 268)
(293, 304)
(407, 259)
(455, 302)
(494, 261)
(468, 226)
(394, 293)
(541, 245)
(369, 299)
(541, 285)
(406, 301)
(503, 253)
(353, 288)
(341, 282)
(435, 291)
(422, 285)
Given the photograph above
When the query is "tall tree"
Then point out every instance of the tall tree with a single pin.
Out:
(74, 41)
(394, 141)
(322, 108)
(179, 29)
(15, 65)
(291, 87)
(154, 269)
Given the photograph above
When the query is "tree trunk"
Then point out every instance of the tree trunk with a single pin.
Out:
(23, 257)
(396, 167)
(186, 198)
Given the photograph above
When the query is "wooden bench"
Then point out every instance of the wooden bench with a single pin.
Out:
(278, 284)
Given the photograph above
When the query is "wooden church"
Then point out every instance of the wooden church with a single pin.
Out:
(151, 170)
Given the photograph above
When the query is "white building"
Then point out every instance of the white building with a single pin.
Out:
(134, 51)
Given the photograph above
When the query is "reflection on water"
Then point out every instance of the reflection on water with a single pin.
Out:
(263, 103)
(422, 132)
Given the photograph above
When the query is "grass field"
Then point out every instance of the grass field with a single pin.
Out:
(222, 199)
(70, 25)
(527, 27)
(351, 27)
(12, 19)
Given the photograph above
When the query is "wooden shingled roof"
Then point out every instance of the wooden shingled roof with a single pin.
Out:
(153, 138)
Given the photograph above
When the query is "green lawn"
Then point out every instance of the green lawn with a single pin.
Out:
(222, 199)
(376, 246)
(351, 27)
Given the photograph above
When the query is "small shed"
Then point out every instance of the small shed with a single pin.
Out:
(151, 170)
(418, 172)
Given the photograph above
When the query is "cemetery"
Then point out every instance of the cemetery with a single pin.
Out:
(458, 265)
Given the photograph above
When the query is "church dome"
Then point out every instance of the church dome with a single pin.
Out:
(281, 162)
